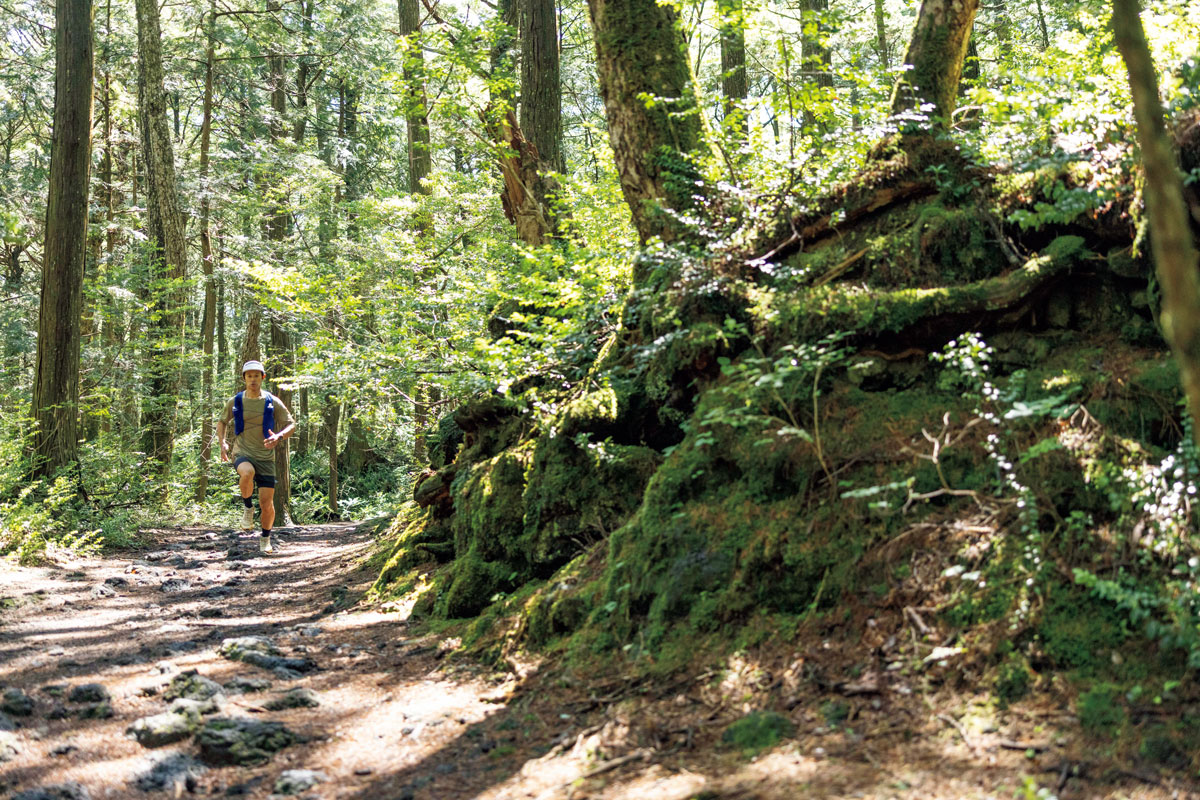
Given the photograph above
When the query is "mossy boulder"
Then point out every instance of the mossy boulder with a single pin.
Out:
(489, 514)
(191, 685)
(174, 725)
(471, 584)
(578, 491)
(243, 742)
(443, 441)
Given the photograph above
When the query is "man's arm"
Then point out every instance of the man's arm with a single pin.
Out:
(224, 445)
(276, 438)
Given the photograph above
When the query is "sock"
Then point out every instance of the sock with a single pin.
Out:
(266, 532)
(246, 502)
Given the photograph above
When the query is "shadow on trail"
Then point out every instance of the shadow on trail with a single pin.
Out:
(301, 581)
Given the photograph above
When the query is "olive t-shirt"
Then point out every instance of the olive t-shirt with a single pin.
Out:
(250, 442)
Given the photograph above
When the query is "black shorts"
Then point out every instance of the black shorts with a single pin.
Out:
(260, 480)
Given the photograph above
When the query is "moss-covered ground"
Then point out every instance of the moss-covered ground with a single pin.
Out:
(772, 456)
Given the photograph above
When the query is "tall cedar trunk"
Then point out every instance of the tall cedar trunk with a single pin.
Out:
(815, 55)
(522, 170)
(525, 185)
(222, 339)
(640, 54)
(277, 230)
(420, 157)
(541, 90)
(971, 72)
(419, 166)
(208, 326)
(734, 88)
(281, 347)
(1042, 24)
(1004, 32)
(882, 51)
(934, 58)
(251, 350)
(300, 123)
(1175, 254)
(165, 242)
(330, 416)
(56, 379)
(301, 415)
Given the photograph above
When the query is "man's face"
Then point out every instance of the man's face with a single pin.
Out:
(254, 379)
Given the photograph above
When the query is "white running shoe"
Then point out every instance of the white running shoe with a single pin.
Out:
(248, 519)
(264, 544)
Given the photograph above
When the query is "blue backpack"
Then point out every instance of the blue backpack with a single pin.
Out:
(239, 419)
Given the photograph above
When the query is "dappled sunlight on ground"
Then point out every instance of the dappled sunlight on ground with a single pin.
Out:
(398, 718)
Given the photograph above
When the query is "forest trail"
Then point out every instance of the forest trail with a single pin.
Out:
(395, 719)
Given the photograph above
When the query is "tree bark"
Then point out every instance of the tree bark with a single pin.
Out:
(301, 415)
(207, 327)
(283, 367)
(1175, 254)
(653, 111)
(934, 59)
(420, 161)
(734, 88)
(278, 219)
(525, 184)
(56, 378)
(251, 350)
(330, 416)
(541, 90)
(882, 51)
(165, 241)
(815, 55)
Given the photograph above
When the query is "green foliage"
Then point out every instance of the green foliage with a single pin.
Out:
(1013, 679)
(1100, 711)
(757, 731)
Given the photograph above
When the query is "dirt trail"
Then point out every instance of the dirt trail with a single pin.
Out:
(132, 624)
(396, 720)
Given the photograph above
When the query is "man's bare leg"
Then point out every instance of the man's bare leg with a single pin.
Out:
(245, 472)
(266, 505)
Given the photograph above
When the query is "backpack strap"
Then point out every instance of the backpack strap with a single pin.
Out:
(239, 417)
(268, 413)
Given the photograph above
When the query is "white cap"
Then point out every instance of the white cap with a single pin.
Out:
(249, 365)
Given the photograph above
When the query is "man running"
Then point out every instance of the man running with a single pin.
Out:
(256, 414)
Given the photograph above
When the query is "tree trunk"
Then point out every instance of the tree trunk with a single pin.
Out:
(734, 89)
(815, 55)
(541, 90)
(277, 230)
(1042, 24)
(165, 241)
(882, 51)
(357, 454)
(251, 350)
(934, 59)
(416, 105)
(301, 415)
(525, 184)
(330, 416)
(222, 339)
(281, 347)
(641, 54)
(56, 379)
(300, 124)
(1175, 255)
(206, 263)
